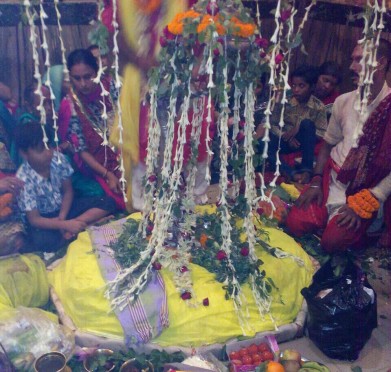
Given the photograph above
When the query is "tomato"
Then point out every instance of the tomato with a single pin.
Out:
(243, 352)
(252, 349)
(267, 355)
(236, 362)
(257, 358)
(263, 347)
(247, 360)
(234, 355)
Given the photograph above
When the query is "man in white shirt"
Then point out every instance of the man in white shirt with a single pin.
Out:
(350, 183)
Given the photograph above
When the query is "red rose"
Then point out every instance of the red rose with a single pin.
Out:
(221, 40)
(184, 269)
(260, 211)
(221, 255)
(240, 137)
(279, 58)
(285, 14)
(157, 265)
(163, 41)
(205, 301)
(261, 42)
(262, 54)
(244, 251)
(152, 178)
(216, 52)
(149, 229)
(186, 296)
(168, 34)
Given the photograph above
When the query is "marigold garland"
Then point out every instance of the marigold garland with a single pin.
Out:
(363, 203)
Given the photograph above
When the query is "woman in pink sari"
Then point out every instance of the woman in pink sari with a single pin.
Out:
(82, 125)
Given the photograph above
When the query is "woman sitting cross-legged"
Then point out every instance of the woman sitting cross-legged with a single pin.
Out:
(83, 123)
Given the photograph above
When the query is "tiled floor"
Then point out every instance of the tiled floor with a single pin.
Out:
(376, 355)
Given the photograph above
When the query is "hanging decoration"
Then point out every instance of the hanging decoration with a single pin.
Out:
(211, 59)
(373, 27)
(31, 17)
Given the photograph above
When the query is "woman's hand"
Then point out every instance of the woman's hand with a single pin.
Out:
(11, 184)
(113, 182)
(313, 193)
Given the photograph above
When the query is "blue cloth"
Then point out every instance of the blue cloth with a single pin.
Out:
(43, 194)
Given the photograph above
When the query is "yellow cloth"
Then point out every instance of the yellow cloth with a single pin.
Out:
(23, 282)
(293, 192)
(80, 287)
(132, 84)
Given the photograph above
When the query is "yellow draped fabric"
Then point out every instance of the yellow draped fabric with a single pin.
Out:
(132, 82)
(80, 287)
(23, 282)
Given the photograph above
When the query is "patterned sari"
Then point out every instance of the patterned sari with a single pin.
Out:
(370, 162)
(85, 113)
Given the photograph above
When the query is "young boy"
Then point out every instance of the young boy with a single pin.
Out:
(53, 216)
(304, 119)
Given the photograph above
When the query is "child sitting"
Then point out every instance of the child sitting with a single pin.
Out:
(53, 216)
(304, 119)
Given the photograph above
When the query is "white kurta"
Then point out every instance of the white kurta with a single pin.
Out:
(343, 122)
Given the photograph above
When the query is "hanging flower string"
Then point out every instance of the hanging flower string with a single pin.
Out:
(369, 43)
(202, 43)
(45, 47)
(118, 85)
(37, 75)
(63, 50)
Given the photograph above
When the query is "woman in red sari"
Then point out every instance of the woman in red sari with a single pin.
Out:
(82, 124)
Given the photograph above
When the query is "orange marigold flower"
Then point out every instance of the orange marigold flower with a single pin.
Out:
(203, 239)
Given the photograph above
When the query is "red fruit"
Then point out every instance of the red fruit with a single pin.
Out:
(263, 347)
(236, 362)
(247, 360)
(252, 349)
(234, 355)
(257, 358)
(243, 352)
(267, 355)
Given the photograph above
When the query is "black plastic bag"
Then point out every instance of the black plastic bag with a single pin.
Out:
(341, 319)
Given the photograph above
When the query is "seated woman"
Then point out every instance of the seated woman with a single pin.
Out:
(11, 227)
(81, 123)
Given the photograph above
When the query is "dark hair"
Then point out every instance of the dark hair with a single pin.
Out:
(92, 47)
(308, 73)
(29, 92)
(384, 50)
(28, 136)
(331, 68)
(82, 56)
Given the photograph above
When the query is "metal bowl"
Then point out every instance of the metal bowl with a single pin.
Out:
(96, 354)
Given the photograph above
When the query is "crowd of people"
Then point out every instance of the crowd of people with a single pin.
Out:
(54, 184)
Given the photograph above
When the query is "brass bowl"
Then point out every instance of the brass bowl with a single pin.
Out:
(97, 353)
(53, 361)
(131, 366)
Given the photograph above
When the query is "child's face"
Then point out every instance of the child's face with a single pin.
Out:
(39, 157)
(47, 104)
(325, 86)
(301, 89)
